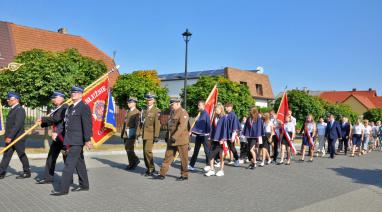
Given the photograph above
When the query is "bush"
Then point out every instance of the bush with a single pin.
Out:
(373, 114)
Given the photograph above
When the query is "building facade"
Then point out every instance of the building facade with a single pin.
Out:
(258, 83)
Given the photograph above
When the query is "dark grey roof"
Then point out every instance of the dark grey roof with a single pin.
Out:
(191, 75)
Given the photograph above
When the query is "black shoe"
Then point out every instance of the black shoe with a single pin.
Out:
(58, 193)
(149, 173)
(24, 175)
(133, 166)
(44, 181)
(159, 177)
(251, 166)
(2, 175)
(181, 178)
(80, 188)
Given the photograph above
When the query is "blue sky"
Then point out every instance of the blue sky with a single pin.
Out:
(320, 44)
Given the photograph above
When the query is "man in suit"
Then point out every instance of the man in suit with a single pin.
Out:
(78, 133)
(14, 127)
(345, 135)
(56, 119)
(149, 129)
(129, 134)
(177, 139)
(333, 132)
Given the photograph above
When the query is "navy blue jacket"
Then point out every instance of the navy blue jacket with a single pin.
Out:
(345, 129)
(233, 123)
(203, 124)
(219, 130)
(333, 132)
(78, 124)
(14, 126)
(254, 129)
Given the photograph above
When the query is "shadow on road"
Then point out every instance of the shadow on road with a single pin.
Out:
(122, 166)
(362, 176)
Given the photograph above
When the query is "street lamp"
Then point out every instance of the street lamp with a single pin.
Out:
(186, 38)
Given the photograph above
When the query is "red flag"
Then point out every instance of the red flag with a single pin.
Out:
(211, 101)
(282, 113)
(283, 109)
(98, 98)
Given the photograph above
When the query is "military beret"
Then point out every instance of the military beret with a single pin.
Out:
(132, 99)
(150, 96)
(14, 95)
(76, 89)
(57, 94)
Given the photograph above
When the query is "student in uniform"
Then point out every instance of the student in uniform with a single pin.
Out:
(267, 139)
(309, 133)
(254, 131)
(233, 131)
(357, 136)
(243, 143)
(290, 129)
(217, 137)
(201, 130)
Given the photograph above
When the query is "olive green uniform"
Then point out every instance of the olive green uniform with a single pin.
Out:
(149, 130)
(177, 141)
(129, 134)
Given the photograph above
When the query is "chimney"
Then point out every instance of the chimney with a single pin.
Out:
(354, 89)
(62, 30)
(370, 90)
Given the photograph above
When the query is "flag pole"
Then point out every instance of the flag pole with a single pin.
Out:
(67, 102)
(197, 117)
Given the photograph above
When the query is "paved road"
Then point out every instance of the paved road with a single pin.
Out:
(342, 184)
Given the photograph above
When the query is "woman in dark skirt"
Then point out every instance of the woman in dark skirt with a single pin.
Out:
(254, 131)
(289, 128)
(267, 139)
(218, 136)
(309, 132)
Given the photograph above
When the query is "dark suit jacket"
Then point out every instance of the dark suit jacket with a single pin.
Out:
(333, 132)
(56, 119)
(78, 125)
(14, 126)
(345, 130)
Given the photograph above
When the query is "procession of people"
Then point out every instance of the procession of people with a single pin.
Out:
(260, 138)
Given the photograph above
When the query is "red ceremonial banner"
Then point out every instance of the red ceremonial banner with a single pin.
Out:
(97, 99)
(211, 101)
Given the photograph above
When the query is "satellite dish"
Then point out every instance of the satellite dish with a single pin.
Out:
(260, 70)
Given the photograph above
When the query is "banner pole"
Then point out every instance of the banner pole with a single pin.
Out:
(67, 102)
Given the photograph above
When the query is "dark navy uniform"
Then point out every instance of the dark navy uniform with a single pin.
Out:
(78, 130)
(218, 133)
(233, 127)
(201, 129)
(57, 121)
(14, 127)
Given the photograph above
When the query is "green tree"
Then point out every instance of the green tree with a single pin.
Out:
(229, 91)
(373, 114)
(138, 84)
(44, 72)
(339, 111)
(302, 104)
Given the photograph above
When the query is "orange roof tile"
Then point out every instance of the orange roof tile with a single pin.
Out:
(26, 38)
(368, 98)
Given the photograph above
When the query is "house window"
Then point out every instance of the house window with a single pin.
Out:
(259, 89)
(243, 83)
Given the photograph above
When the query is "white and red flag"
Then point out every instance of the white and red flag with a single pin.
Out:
(282, 113)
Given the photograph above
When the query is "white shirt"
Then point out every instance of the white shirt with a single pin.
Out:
(321, 128)
(290, 127)
(310, 127)
(76, 103)
(268, 127)
(357, 129)
(293, 119)
(367, 130)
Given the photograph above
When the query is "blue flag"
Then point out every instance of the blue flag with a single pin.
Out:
(110, 121)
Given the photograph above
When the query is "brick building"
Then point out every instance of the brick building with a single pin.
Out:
(258, 83)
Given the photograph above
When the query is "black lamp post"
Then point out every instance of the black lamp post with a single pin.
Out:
(186, 38)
